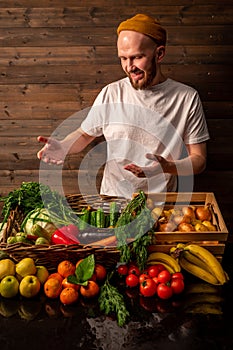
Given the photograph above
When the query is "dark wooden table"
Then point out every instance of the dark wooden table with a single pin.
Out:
(44, 324)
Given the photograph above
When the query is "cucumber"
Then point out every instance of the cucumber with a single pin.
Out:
(100, 218)
(93, 218)
(113, 214)
(84, 219)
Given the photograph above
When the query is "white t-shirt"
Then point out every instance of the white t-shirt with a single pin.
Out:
(159, 120)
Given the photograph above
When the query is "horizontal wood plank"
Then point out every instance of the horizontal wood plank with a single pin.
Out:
(101, 35)
(66, 16)
(121, 3)
(100, 74)
(90, 54)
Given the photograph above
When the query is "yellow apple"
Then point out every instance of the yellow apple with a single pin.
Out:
(29, 287)
(7, 268)
(9, 287)
(25, 267)
(42, 274)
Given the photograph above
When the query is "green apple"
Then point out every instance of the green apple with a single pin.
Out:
(25, 267)
(29, 286)
(42, 240)
(7, 268)
(42, 274)
(9, 286)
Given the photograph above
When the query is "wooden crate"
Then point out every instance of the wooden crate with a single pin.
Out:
(214, 241)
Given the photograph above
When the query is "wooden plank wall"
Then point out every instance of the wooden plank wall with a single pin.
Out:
(56, 56)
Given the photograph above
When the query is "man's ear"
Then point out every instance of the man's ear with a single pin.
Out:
(160, 52)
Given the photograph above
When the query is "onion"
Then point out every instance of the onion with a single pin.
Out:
(167, 227)
(178, 219)
(203, 213)
(189, 211)
(185, 227)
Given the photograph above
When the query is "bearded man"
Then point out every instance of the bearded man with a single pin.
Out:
(154, 126)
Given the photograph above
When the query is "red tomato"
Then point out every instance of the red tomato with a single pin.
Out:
(132, 280)
(144, 276)
(155, 279)
(161, 267)
(153, 271)
(134, 269)
(164, 276)
(178, 275)
(164, 291)
(122, 270)
(177, 285)
(148, 288)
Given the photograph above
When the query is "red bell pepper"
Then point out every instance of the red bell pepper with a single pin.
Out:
(66, 235)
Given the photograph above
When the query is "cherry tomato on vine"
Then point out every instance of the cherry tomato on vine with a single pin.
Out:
(178, 275)
(153, 270)
(164, 291)
(177, 285)
(148, 288)
(161, 267)
(132, 280)
(122, 269)
(155, 279)
(143, 277)
(134, 269)
(164, 276)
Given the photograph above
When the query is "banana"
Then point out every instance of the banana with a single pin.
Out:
(166, 259)
(168, 267)
(209, 259)
(206, 308)
(193, 259)
(198, 271)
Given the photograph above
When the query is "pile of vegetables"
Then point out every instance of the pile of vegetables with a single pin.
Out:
(43, 209)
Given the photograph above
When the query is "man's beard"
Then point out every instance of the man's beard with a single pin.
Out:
(146, 81)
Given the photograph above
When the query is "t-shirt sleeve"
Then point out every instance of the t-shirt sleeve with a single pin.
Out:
(93, 123)
(196, 130)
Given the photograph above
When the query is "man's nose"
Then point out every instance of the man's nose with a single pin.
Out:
(130, 64)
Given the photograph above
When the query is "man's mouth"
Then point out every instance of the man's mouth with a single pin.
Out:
(137, 75)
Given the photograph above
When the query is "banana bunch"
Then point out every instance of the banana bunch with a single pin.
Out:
(171, 264)
(201, 263)
(203, 298)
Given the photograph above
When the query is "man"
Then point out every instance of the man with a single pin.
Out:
(146, 118)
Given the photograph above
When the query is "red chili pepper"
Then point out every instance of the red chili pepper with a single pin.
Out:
(65, 235)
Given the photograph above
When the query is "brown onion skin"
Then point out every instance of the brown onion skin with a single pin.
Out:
(203, 213)
(167, 227)
(178, 219)
(185, 227)
(189, 211)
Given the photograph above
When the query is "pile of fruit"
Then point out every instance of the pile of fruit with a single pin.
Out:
(24, 278)
(163, 277)
(154, 280)
(72, 280)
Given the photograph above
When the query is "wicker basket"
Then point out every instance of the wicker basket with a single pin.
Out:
(50, 256)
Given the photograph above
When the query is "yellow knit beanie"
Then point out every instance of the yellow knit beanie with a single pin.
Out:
(146, 25)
